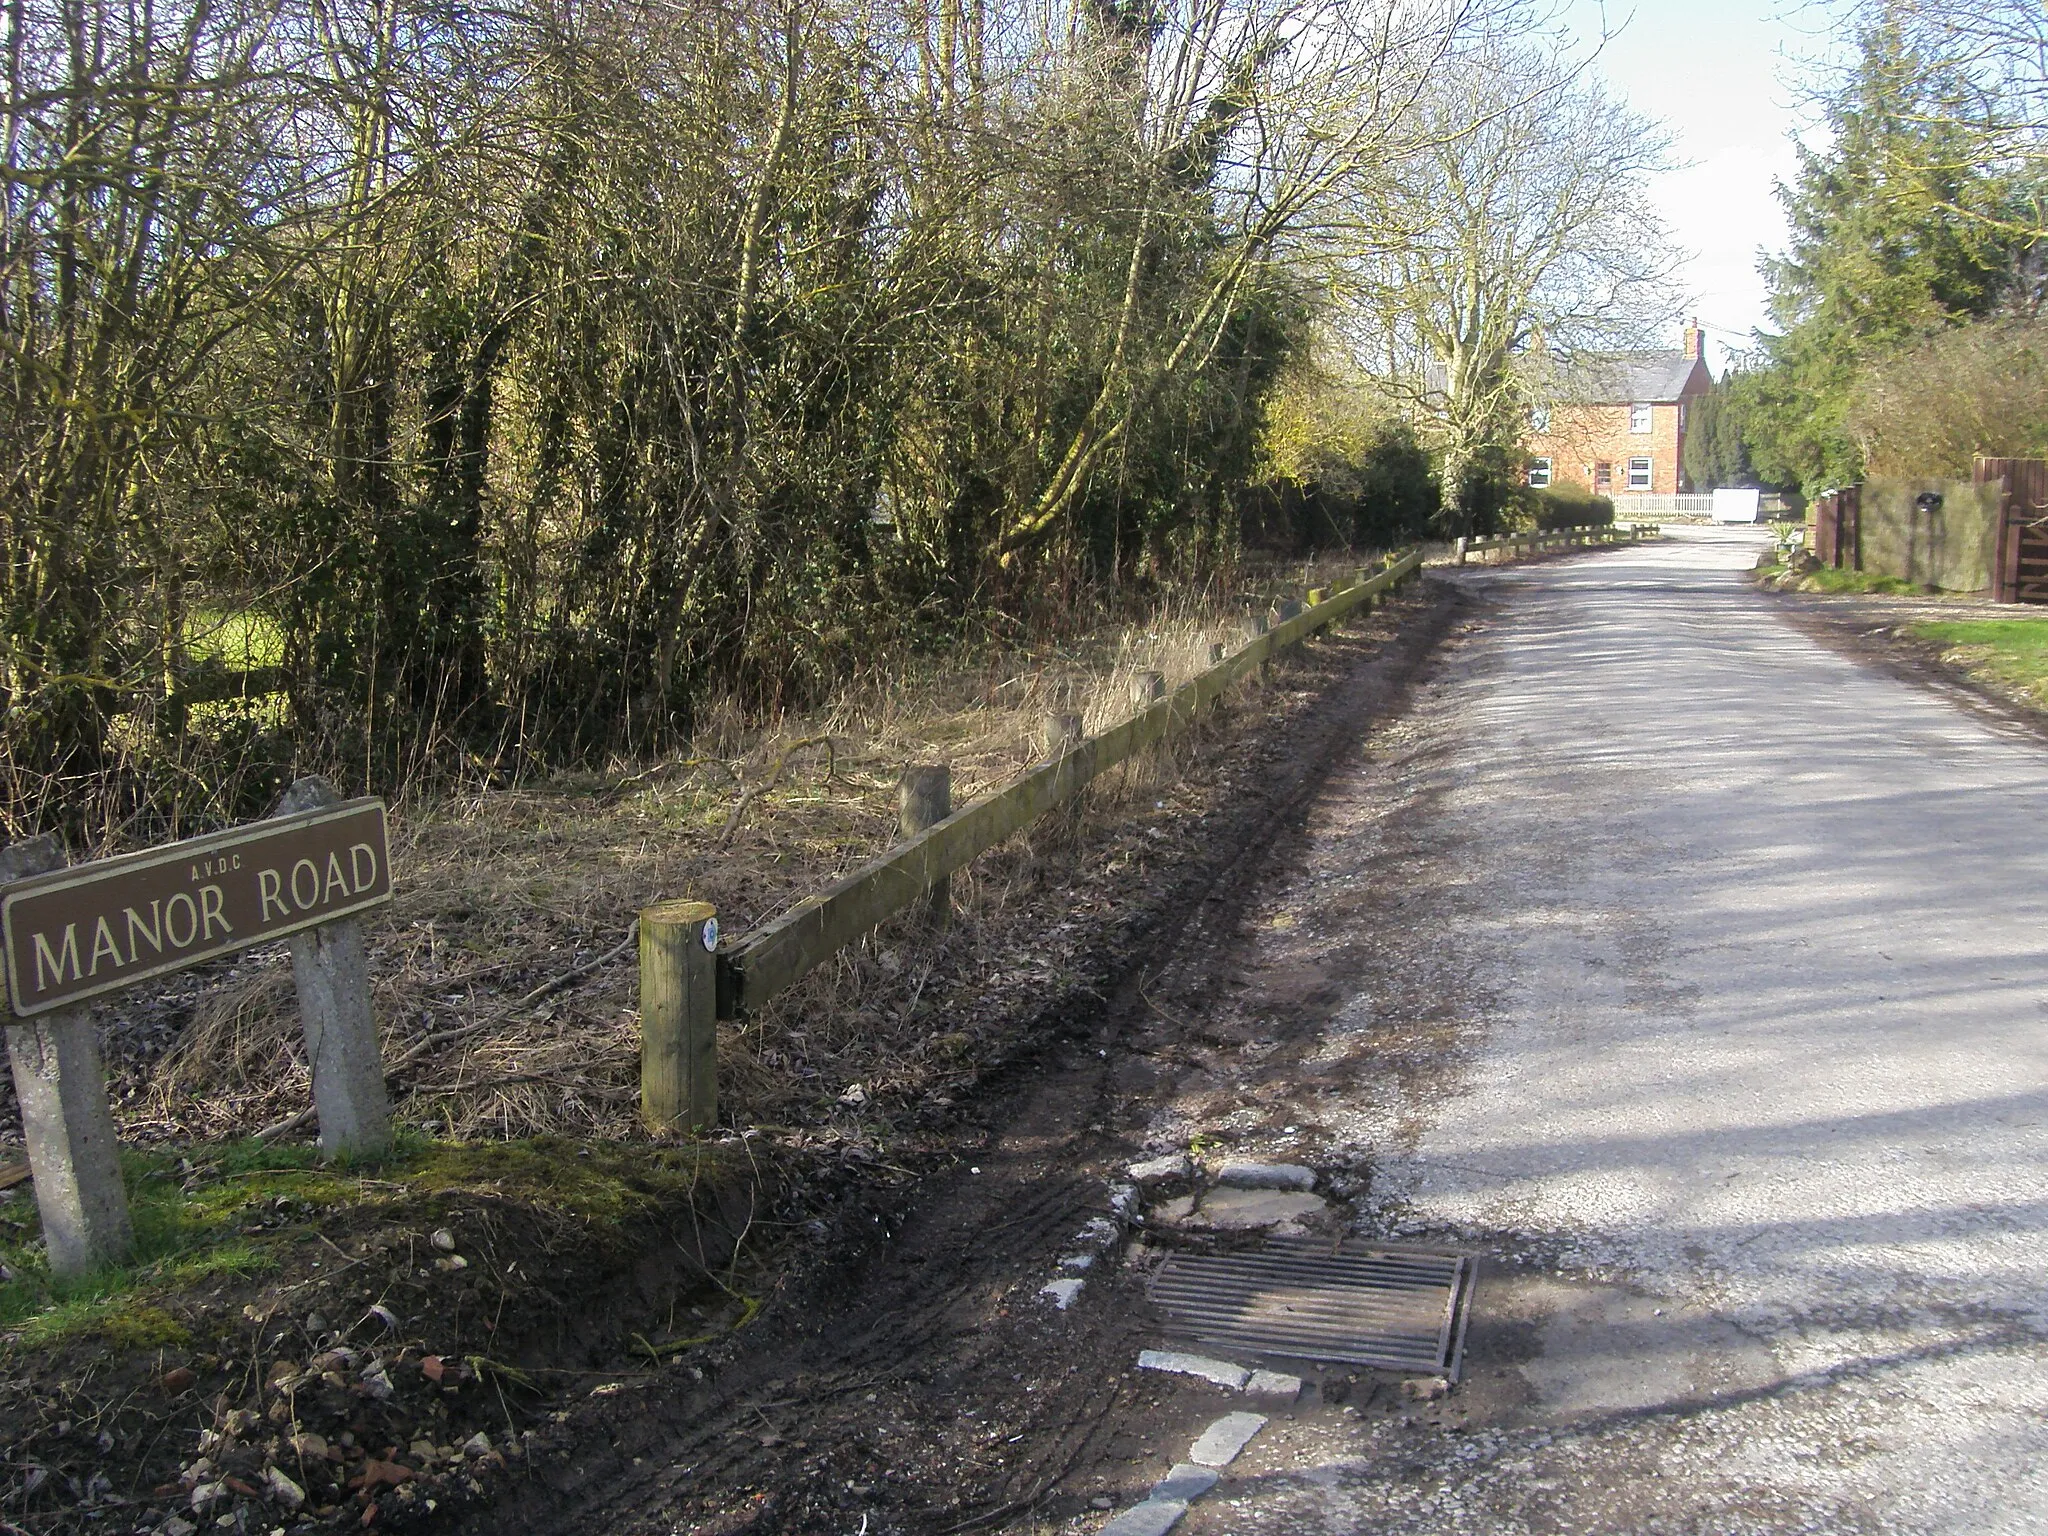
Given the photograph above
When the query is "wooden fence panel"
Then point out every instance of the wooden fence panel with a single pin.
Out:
(2021, 574)
(1838, 528)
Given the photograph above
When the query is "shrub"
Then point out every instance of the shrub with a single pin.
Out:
(1566, 506)
(1976, 389)
(1339, 467)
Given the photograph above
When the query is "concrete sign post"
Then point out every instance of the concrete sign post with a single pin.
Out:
(62, 1089)
(69, 935)
(332, 972)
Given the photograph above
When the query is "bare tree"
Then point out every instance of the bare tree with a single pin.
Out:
(1977, 78)
(1518, 233)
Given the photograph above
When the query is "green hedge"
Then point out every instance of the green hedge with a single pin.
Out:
(1569, 507)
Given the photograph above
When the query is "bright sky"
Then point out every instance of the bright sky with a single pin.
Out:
(1718, 73)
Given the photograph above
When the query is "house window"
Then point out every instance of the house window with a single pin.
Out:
(1639, 474)
(1603, 477)
(1639, 418)
(1539, 472)
(1539, 418)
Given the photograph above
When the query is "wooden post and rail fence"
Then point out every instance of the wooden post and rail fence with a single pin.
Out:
(729, 982)
(312, 870)
(1537, 542)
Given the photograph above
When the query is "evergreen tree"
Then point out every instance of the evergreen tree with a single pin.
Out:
(1716, 451)
(1889, 243)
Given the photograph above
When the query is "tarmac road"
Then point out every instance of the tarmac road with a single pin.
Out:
(1742, 1076)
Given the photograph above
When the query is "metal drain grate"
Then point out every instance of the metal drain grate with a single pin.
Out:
(1301, 1297)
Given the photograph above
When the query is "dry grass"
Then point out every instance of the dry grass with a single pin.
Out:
(504, 892)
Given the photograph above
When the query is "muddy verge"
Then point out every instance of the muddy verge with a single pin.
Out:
(785, 1328)
(908, 1374)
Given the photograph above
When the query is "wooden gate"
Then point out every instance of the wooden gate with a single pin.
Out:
(1838, 528)
(2021, 569)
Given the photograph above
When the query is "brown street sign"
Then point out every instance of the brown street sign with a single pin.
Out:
(75, 933)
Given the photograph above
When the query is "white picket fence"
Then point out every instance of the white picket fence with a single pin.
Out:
(1630, 504)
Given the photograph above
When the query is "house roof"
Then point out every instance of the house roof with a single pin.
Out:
(1657, 376)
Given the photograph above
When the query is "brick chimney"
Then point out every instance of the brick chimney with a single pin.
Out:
(1695, 343)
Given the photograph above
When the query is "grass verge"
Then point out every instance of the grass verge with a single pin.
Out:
(239, 1209)
(2011, 654)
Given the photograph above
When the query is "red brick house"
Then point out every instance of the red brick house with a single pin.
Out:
(1615, 423)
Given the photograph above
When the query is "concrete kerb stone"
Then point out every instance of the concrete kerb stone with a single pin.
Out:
(1245, 1210)
(1154, 1517)
(1099, 1233)
(1275, 1386)
(1220, 1443)
(1219, 1373)
(1183, 1485)
(1189, 1480)
(1160, 1170)
(1291, 1176)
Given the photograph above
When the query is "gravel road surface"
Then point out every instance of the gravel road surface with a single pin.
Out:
(1736, 1066)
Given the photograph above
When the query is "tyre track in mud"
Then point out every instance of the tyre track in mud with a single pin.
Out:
(910, 1378)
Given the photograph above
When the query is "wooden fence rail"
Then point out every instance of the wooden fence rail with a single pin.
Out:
(1556, 538)
(750, 969)
(778, 954)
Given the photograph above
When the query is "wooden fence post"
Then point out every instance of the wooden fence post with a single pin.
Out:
(61, 1086)
(924, 798)
(331, 971)
(679, 1016)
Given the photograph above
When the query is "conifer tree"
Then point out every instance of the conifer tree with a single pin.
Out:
(1888, 245)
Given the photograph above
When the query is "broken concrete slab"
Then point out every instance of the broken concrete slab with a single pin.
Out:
(1171, 1213)
(1219, 1444)
(1221, 1372)
(1160, 1170)
(1062, 1292)
(1265, 1176)
(1273, 1385)
(1184, 1484)
(1244, 1210)
(1154, 1517)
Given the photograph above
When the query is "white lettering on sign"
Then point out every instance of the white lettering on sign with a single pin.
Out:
(51, 965)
